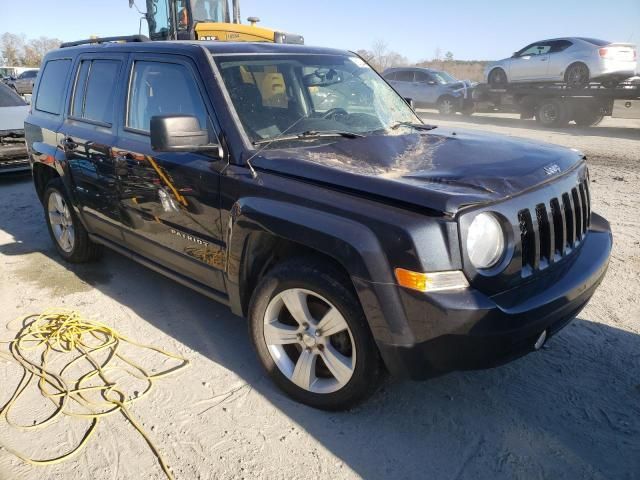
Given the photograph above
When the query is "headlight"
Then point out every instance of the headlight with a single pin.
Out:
(485, 241)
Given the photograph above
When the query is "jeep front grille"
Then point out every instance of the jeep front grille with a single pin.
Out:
(553, 229)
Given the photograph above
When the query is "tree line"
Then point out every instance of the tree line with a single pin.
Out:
(380, 57)
(19, 51)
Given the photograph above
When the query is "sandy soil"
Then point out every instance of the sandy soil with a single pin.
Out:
(569, 411)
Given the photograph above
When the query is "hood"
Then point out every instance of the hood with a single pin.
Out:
(443, 170)
(12, 118)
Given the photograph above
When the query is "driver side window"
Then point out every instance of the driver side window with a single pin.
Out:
(536, 49)
(423, 77)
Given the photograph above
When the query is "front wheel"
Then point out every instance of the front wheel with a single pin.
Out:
(497, 78)
(311, 336)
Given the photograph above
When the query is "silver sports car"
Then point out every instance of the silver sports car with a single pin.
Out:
(574, 60)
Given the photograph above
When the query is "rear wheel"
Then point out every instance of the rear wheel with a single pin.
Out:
(311, 336)
(552, 113)
(497, 78)
(588, 116)
(67, 232)
(577, 75)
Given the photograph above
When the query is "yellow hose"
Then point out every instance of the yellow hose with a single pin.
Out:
(68, 333)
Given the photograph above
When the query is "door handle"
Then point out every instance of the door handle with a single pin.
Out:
(544, 59)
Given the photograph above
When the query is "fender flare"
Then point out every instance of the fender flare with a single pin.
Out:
(351, 244)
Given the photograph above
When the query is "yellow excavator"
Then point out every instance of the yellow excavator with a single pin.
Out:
(207, 20)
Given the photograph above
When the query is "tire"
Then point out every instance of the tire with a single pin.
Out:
(612, 83)
(577, 75)
(497, 78)
(318, 289)
(468, 110)
(552, 113)
(588, 117)
(447, 105)
(74, 246)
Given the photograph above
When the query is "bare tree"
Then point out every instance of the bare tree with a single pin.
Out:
(37, 48)
(12, 48)
(382, 58)
(17, 51)
(437, 54)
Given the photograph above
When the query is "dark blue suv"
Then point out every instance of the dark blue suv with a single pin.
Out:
(294, 185)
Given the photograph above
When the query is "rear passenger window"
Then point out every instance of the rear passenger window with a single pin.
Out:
(95, 89)
(163, 89)
(52, 86)
(404, 76)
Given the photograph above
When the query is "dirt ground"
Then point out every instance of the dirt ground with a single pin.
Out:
(571, 410)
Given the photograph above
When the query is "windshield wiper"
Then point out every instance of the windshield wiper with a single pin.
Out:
(309, 134)
(417, 126)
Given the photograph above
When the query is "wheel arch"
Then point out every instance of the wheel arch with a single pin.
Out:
(572, 63)
(42, 175)
(262, 232)
(498, 67)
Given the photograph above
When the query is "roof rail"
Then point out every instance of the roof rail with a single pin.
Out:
(124, 38)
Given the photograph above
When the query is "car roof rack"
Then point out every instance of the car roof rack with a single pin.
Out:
(123, 39)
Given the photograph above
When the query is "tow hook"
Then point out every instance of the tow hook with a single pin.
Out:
(540, 341)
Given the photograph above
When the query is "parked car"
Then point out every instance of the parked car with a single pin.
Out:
(354, 238)
(432, 88)
(24, 83)
(573, 60)
(13, 112)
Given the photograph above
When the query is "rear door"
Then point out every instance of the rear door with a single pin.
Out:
(560, 56)
(426, 88)
(169, 201)
(402, 81)
(87, 135)
(531, 63)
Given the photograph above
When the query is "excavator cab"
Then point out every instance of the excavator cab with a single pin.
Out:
(207, 20)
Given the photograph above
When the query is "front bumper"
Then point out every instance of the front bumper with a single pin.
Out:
(466, 329)
(13, 156)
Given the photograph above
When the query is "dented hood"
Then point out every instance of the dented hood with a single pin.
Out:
(442, 170)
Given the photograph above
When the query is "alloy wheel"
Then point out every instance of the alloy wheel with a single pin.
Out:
(309, 340)
(61, 222)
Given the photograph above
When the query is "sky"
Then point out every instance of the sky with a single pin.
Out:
(471, 30)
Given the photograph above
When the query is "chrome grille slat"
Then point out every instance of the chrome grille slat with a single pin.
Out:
(577, 202)
(567, 206)
(551, 230)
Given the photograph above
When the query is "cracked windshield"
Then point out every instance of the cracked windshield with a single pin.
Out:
(292, 94)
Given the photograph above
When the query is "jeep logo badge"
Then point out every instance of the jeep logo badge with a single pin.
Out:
(552, 169)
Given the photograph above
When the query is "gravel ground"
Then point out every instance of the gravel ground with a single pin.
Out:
(569, 411)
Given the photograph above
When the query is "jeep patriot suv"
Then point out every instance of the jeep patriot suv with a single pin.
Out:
(294, 185)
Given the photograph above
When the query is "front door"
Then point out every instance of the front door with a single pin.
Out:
(87, 135)
(169, 202)
(531, 64)
(426, 88)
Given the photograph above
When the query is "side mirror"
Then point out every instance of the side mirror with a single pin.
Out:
(515, 54)
(431, 82)
(410, 102)
(179, 133)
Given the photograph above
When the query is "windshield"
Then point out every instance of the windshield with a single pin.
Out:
(7, 72)
(8, 98)
(277, 94)
(443, 78)
(209, 10)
